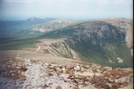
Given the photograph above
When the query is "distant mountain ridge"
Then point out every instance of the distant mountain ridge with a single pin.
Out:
(40, 29)
(34, 20)
(7, 27)
(51, 25)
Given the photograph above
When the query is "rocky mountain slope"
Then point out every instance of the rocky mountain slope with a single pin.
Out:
(98, 41)
(125, 26)
(22, 73)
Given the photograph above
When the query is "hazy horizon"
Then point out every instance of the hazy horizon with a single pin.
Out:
(65, 9)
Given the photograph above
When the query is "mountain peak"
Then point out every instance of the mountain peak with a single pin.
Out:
(33, 19)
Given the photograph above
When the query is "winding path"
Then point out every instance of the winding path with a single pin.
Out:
(38, 47)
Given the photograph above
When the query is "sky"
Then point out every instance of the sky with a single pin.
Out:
(65, 9)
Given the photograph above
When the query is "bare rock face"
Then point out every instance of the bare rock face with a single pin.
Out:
(125, 26)
(42, 75)
(129, 37)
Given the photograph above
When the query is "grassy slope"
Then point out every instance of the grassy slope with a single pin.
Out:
(60, 33)
(102, 55)
(17, 44)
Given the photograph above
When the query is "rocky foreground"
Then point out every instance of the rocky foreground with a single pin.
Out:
(19, 73)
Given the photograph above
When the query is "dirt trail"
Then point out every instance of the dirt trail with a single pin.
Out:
(38, 49)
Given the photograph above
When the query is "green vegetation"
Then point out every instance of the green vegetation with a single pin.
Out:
(61, 33)
(17, 43)
(102, 55)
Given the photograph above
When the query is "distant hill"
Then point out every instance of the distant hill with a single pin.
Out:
(40, 29)
(33, 21)
(52, 25)
(7, 27)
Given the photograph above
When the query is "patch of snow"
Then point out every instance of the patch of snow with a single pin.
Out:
(132, 52)
(119, 60)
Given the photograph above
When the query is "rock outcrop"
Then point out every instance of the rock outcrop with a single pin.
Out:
(19, 73)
